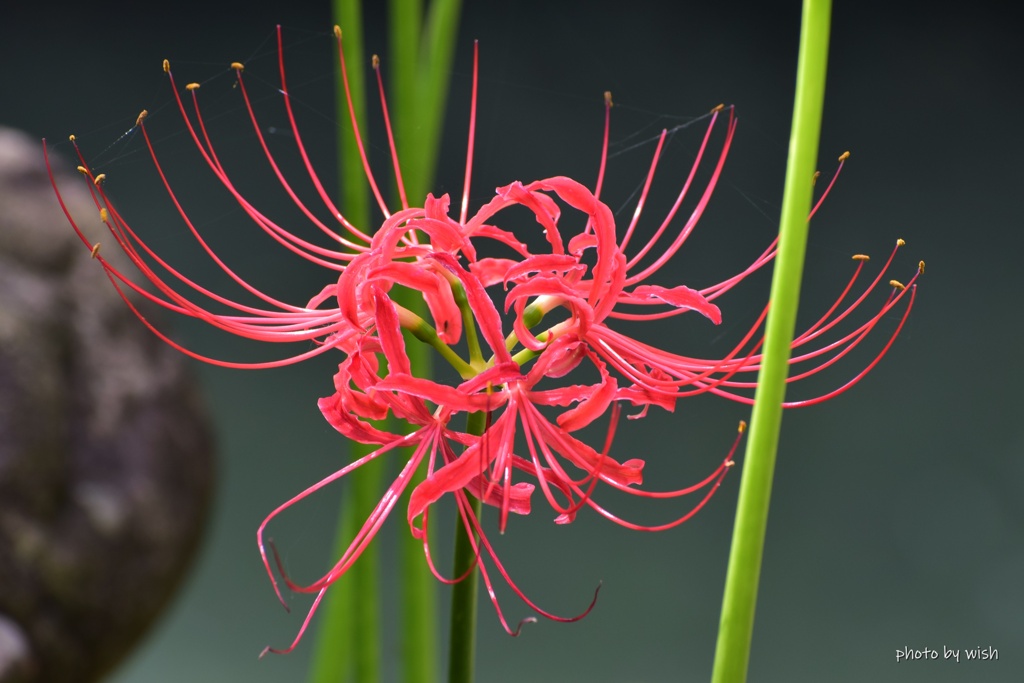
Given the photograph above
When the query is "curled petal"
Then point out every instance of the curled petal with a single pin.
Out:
(351, 301)
(389, 331)
(486, 314)
(591, 407)
(436, 291)
(610, 269)
(392, 231)
(544, 208)
(491, 271)
(352, 427)
(445, 234)
(581, 242)
(505, 237)
(680, 297)
(640, 395)
(555, 263)
(496, 375)
(557, 288)
(451, 398)
(516, 499)
(560, 358)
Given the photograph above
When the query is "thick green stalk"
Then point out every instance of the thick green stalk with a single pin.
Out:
(418, 623)
(349, 644)
(414, 65)
(422, 50)
(462, 646)
(348, 639)
(737, 620)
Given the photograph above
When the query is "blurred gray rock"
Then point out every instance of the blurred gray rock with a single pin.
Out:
(106, 456)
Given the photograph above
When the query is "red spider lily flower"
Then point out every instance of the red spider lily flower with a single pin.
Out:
(581, 283)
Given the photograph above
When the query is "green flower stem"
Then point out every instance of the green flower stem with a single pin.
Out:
(545, 337)
(348, 645)
(348, 638)
(462, 646)
(532, 315)
(417, 590)
(737, 620)
(425, 332)
(468, 324)
(422, 47)
(422, 51)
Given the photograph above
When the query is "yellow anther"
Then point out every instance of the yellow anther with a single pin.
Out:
(71, 138)
(920, 267)
(900, 242)
(167, 67)
(104, 215)
(142, 115)
(337, 32)
(99, 179)
(730, 463)
(375, 62)
(743, 426)
(897, 284)
(95, 250)
(83, 170)
(192, 86)
(844, 156)
(608, 98)
(814, 178)
(861, 257)
(717, 109)
(238, 66)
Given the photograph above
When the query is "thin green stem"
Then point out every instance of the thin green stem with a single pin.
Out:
(468, 324)
(462, 646)
(425, 332)
(545, 337)
(737, 620)
(532, 315)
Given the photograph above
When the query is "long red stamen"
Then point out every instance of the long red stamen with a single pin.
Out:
(604, 146)
(464, 210)
(643, 200)
(352, 117)
(698, 211)
(127, 238)
(391, 137)
(363, 238)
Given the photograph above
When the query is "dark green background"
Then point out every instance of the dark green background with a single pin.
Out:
(897, 515)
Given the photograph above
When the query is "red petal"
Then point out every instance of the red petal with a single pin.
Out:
(491, 271)
(450, 397)
(389, 331)
(436, 291)
(353, 428)
(487, 316)
(543, 207)
(680, 297)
